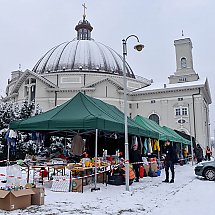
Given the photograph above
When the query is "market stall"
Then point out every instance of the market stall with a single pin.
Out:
(82, 115)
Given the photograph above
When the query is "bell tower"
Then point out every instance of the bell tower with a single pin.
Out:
(184, 62)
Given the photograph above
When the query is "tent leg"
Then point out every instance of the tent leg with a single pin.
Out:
(96, 148)
(8, 154)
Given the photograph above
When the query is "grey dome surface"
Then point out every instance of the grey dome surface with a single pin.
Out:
(82, 55)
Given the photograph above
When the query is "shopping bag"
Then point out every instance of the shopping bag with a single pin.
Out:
(141, 171)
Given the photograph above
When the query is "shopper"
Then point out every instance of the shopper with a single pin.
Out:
(185, 154)
(169, 160)
(199, 153)
(208, 153)
(135, 157)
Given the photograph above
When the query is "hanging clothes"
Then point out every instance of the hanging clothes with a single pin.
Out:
(149, 146)
(145, 146)
(141, 146)
(156, 146)
(78, 145)
(11, 137)
(12, 134)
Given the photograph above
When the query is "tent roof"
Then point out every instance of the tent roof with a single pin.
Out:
(183, 140)
(164, 132)
(82, 113)
(151, 125)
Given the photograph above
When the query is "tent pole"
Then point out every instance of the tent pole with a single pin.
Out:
(96, 154)
(66, 145)
(8, 153)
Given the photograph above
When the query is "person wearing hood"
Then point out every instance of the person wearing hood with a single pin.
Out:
(135, 157)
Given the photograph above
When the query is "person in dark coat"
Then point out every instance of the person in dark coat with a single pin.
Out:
(169, 161)
(208, 153)
(135, 156)
(199, 153)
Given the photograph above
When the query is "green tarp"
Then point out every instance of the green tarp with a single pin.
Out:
(183, 140)
(164, 132)
(82, 113)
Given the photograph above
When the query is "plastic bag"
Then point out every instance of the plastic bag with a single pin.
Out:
(14, 175)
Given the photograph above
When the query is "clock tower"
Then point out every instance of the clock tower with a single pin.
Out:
(184, 62)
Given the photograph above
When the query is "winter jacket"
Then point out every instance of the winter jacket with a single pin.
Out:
(170, 154)
(135, 156)
(199, 152)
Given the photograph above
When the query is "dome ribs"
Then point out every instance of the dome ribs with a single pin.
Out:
(74, 55)
(59, 58)
(103, 58)
(44, 66)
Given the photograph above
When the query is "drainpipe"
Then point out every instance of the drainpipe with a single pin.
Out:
(84, 83)
(194, 115)
(208, 137)
(55, 99)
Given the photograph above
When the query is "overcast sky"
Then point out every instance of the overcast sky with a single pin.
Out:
(29, 28)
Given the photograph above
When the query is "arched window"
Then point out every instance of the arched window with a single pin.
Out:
(155, 118)
(183, 62)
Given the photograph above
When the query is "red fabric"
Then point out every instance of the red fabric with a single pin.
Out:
(43, 173)
(62, 156)
(141, 171)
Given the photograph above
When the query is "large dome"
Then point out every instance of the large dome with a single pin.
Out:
(82, 55)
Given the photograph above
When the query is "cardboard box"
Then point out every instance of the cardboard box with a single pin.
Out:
(77, 185)
(154, 167)
(146, 169)
(87, 180)
(38, 197)
(12, 200)
(101, 178)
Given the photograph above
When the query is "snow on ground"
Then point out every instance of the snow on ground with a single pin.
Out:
(188, 195)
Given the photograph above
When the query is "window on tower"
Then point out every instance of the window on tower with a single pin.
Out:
(181, 111)
(183, 62)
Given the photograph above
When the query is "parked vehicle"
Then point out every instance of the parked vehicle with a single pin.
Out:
(206, 169)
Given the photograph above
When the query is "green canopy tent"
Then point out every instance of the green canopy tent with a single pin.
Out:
(82, 113)
(182, 140)
(153, 126)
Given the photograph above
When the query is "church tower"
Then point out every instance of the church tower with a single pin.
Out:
(184, 62)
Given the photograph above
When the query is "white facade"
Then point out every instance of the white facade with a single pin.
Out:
(183, 104)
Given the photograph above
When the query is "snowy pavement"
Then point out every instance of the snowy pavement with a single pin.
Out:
(188, 195)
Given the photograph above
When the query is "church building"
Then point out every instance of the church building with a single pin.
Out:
(85, 65)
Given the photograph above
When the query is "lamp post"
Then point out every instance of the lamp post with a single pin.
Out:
(138, 47)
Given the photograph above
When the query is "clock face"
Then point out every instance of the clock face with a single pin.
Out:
(183, 62)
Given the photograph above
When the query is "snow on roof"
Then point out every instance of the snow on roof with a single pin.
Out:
(160, 86)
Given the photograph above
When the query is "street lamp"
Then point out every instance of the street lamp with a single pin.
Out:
(138, 47)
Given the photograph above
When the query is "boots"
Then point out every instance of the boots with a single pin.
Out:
(171, 181)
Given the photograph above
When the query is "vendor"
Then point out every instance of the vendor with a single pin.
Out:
(135, 157)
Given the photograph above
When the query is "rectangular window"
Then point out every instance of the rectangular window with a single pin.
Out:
(130, 106)
(180, 99)
(137, 105)
(177, 111)
(130, 115)
(184, 111)
(152, 101)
